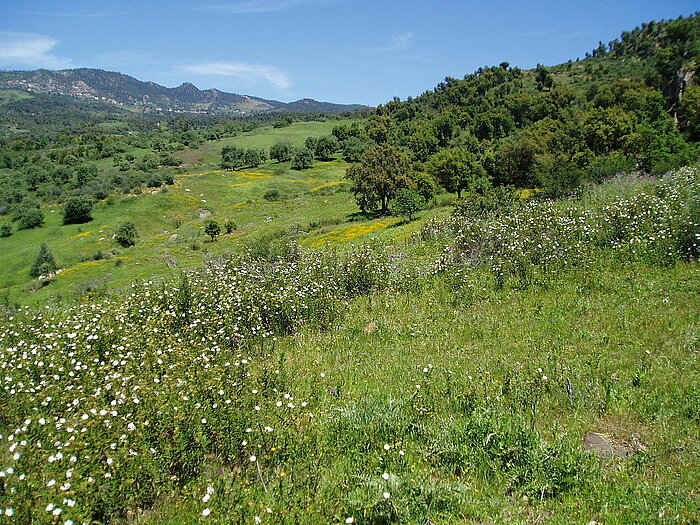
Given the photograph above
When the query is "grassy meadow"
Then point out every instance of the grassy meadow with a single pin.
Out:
(319, 366)
(313, 207)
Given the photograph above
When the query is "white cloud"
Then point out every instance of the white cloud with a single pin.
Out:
(28, 49)
(399, 42)
(263, 6)
(402, 41)
(244, 72)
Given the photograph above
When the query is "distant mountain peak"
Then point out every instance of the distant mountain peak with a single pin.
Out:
(118, 88)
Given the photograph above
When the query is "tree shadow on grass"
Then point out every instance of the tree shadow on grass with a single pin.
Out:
(365, 216)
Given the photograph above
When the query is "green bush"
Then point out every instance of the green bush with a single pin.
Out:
(229, 226)
(126, 234)
(272, 195)
(212, 229)
(29, 218)
(302, 159)
(44, 263)
(407, 203)
(78, 210)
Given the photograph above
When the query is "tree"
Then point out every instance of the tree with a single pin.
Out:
(252, 158)
(44, 264)
(310, 143)
(605, 130)
(423, 143)
(212, 229)
(690, 110)
(326, 147)
(457, 170)
(232, 157)
(543, 78)
(126, 234)
(382, 171)
(443, 127)
(77, 210)
(85, 174)
(282, 151)
(302, 159)
(425, 185)
(28, 216)
(353, 148)
(406, 203)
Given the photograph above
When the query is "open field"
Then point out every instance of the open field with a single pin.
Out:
(540, 365)
(313, 207)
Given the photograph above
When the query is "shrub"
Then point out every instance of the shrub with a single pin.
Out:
(282, 151)
(154, 181)
(272, 195)
(5, 230)
(493, 201)
(126, 234)
(407, 203)
(229, 226)
(77, 210)
(30, 217)
(44, 263)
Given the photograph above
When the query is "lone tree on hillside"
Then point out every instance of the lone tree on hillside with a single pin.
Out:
(29, 216)
(212, 229)
(44, 264)
(77, 210)
(326, 147)
(543, 78)
(382, 171)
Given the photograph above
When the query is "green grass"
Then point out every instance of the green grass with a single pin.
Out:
(313, 204)
(595, 329)
(400, 384)
(263, 137)
(12, 95)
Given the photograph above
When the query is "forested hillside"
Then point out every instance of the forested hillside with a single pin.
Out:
(631, 105)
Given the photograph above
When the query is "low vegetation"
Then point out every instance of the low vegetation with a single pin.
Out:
(222, 405)
(476, 306)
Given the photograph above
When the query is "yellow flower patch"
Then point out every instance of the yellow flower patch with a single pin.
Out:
(328, 184)
(85, 265)
(184, 198)
(85, 234)
(350, 233)
(527, 193)
(255, 175)
(186, 175)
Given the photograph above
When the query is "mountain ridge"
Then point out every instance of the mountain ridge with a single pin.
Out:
(112, 87)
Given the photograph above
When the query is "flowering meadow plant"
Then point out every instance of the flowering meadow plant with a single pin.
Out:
(106, 405)
(653, 220)
(179, 387)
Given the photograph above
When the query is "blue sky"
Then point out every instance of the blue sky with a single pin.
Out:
(333, 50)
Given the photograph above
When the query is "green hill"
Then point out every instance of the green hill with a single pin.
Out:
(263, 344)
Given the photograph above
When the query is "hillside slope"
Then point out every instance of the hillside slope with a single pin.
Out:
(116, 88)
